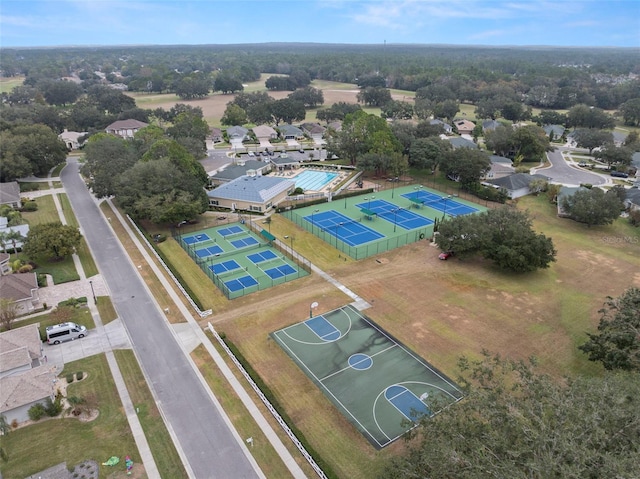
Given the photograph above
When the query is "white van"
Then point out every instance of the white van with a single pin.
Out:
(59, 333)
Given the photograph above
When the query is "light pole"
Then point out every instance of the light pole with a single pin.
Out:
(337, 227)
(444, 213)
(95, 300)
(313, 306)
(369, 204)
(312, 222)
(290, 238)
(395, 219)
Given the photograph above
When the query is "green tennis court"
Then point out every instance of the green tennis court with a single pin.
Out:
(375, 381)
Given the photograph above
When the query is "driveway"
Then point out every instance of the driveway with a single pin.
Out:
(563, 173)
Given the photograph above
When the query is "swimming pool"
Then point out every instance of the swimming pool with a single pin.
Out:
(314, 180)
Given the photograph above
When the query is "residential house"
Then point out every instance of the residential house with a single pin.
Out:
(251, 193)
(23, 230)
(125, 128)
(517, 184)
(618, 137)
(490, 125)
(71, 138)
(242, 167)
(335, 126)
(25, 379)
(459, 142)
(4, 263)
(632, 201)
(237, 133)
(290, 132)
(500, 167)
(635, 163)
(22, 289)
(448, 129)
(465, 127)
(10, 194)
(314, 131)
(265, 132)
(565, 192)
(215, 134)
(557, 130)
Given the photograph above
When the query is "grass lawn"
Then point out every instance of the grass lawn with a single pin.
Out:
(62, 271)
(49, 442)
(9, 83)
(46, 212)
(81, 315)
(33, 185)
(86, 259)
(162, 447)
(106, 310)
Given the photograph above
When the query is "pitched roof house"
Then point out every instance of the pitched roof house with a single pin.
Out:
(558, 130)
(70, 138)
(290, 132)
(25, 380)
(314, 130)
(22, 289)
(237, 132)
(4, 263)
(10, 194)
(516, 185)
(490, 125)
(458, 142)
(216, 135)
(251, 193)
(465, 127)
(632, 200)
(241, 168)
(125, 128)
(448, 129)
(500, 166)
(265, 132)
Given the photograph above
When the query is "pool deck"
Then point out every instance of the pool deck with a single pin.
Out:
(292, 174)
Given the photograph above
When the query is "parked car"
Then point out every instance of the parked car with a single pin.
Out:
(582, 164)
(619, 174)
(251, 153)
(301, 150)
(445, 255)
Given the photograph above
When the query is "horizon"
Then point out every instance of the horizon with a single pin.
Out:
(479, 23)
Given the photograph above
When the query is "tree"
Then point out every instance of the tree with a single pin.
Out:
(615, 155)
(630, 110)
(530, 143)
(589, 117)
(466, 165)
(518, 423)
(227, 83)
(60, 92)
(398, 110)
(161, 192)
(373, 96)
(309, 96)
(53, 240)
(337, 111)
(233, 115)
(190, 130)
(502, 235)
(592, 138)
(617, 343)
(106, 158)
(447, 109)
(550, 117)
(193, 86)
(592, 206)
(8, 312)
(109, 100)
(287, 110)
(426, 153)
(500, 140)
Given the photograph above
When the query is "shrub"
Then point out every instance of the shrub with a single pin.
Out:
(69, 378)
(634, 217)
(36, 412)
(24, 187)
(79, 375)
(25, 268)
(42, 280)
(53, 408)
(29, 206)
(14, 424)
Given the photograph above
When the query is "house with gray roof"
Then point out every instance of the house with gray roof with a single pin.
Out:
(313, 130)
(558, 130)
(290, 132)
(125, 128)
(22, 289)
(459, 142)
(25, 379)
(215, 134)
(242, 167)
(565, 192)
(632, 201)
(635, 163)
(10, 194)
(490, 125)
(517, 184)
(500, 166)
(237, 133)
(4, 263)
(251, 193)
(619, 137)
(448, 129)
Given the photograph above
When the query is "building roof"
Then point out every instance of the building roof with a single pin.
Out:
(635, 159)
(284, 161)
(26, 388)
(558, 130)
(9, 192)
(18, 286)
(490, 124)
(501, 160)
(231, 172)
(515, 181)
(25, 337)
(290, 130)
(214, 132)
(458, 142)
(464, 124)
(441, 123)
(257, 189)
(22, 229)
(264, 131)
(633, 196)
(237, 131)
(71, 135)
(313, 128)
(336, 125)
(126, 125)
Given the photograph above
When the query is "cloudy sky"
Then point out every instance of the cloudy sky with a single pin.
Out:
(463, 22)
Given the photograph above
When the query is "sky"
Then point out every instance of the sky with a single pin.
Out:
(31, 23)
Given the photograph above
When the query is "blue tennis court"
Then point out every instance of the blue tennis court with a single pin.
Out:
(212, 251)
(199, 238)
(244, 242)
(341, 227)
(241, 283)
(280, 271)
(266, 255)
(231, 230)
(441, 203)
(396, 215)
(220, 268)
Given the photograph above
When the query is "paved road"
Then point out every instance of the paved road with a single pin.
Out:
(561, 172)
(211, 448)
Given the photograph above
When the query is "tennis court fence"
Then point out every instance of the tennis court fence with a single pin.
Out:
(368, 249)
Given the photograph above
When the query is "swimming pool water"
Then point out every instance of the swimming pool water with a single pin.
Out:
(314, 180)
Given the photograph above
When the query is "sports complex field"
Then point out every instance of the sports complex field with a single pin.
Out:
(238, 261)
(377, 383)
(362, 226)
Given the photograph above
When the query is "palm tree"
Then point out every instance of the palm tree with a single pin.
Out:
(14, 237)
(4, 240)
